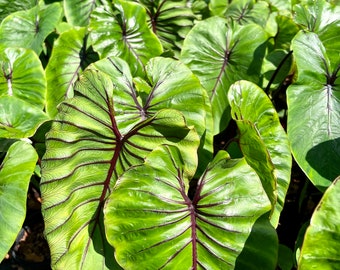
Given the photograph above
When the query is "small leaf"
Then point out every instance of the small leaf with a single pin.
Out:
(313, 110)
(321, 245)
(29, 28)
(220, 55)
(22, 76)
(123, 31)
(15, 174)
(263, 141)
(153, 224)
(71, 54)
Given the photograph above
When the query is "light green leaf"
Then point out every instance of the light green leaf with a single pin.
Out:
(123, 31)
(87, 149)
(10, 6)
(22, 76)
(29, 28)
(263, 141)
(153, 224)
(15, 174)
(71, 54)
(314, 110)
(321, 245)
(18, 118)
(221, 55)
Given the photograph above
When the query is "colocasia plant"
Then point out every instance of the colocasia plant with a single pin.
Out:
(114, 111)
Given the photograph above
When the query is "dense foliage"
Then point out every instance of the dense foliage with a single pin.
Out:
(161, 134)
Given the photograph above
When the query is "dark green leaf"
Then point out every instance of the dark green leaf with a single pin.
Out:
(10, 6)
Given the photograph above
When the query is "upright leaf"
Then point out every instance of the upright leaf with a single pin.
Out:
(87, 149)
(15, 174)
(221, 55)
(321, 245)
(153, 224)
(29, 28)
(263, 141)
(123, 31)
(71, 54)
(314, 110)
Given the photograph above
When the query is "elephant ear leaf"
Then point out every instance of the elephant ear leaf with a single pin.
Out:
(154, 224)
(313, 107)
(320, 249)
(87, 150)
(15, 174)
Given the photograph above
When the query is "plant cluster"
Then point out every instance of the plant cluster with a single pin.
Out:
(112, 110)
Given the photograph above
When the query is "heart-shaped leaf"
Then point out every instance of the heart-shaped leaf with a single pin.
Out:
(122, 31)
(219, 55)
(320, 248)
(29, 28)
(71, 54)
(153, 224)
(15, 174)
(170, 84)
(263, 141)
(87, 149)
(313, 109)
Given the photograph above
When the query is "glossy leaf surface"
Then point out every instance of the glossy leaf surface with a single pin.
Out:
(15, 174)
(9, 6)
(87, 149)
(263, 141)
(78, 12)
(153, 224)
(71, 54)
(320, 248)
(220, 55)
(122, 31)
(29, 28)
(314, 110)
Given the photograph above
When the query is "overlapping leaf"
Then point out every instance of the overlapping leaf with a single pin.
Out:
(170, 84)
(263, 141)
(71, 54)
(87, 149)
(320, 248)
(29, 28)
(15, 174)
(9, 6)
(314, 110)
(153, 224)
(123, 31)
(220, 55)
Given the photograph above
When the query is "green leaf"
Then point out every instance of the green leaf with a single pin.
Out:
(220, 55)
(286, 258)
(71, 54)
(29, 28)
(22, 76)
(10, 6)
(170, 84)
(313, 110)
(263, 141)
(153, 224)
(123, 32)
(170, 21)
(18, 118)
(88, 147)
(15, 174)
(321, 245)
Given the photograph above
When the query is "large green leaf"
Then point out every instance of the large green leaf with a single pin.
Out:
(170, 84)
(29, 28)
(87, 149)
(22, 76)
(153, 224)
(71, 54)
(263, 141)
(321, 244)
(123, 31)
(10, 6)
(170, 21)
(221, 55)
(15, 174)
(314, 110)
